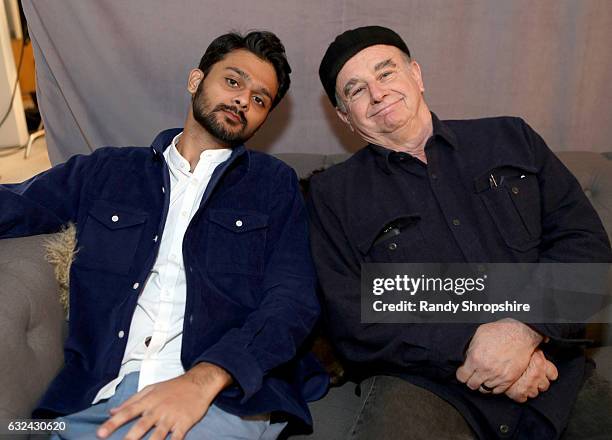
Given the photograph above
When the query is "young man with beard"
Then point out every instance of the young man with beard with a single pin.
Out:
(193, 286)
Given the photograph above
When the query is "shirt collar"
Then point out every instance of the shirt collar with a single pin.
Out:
(177, 162)
(440, 129)
(163, 140)
(174, 158)
(385, 156)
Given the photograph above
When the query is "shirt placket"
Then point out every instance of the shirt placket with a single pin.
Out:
(445, 184)
(169, 277)
(188, 189)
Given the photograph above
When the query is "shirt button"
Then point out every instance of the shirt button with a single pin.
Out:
(434, 176)
(515, 190)
(184, 213)
(163, 190)
(392, 246)
(155, 238)
(456, 222)
(238, 223)
(135, 286)
(121, 334)
(504, 429)
(190, 319)
(115, 218)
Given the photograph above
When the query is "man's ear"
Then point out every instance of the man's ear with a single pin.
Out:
(344, 117)
(196, 76)
(416, 73)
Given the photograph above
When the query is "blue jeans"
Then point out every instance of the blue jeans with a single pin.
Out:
(216, 424)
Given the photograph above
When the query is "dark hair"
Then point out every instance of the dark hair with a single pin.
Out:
(263, 44)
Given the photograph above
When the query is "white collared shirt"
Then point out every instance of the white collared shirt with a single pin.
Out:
(156, 332)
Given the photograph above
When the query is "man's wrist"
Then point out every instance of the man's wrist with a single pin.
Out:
(535, 336)
(209, 376)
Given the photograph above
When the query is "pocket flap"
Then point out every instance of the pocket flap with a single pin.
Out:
(496, 176)
(238, 221)
(116, 217)
(373, 231)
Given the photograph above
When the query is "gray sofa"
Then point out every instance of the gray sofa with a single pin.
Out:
(32, 319)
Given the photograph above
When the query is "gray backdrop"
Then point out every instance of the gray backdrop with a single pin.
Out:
(114, 72)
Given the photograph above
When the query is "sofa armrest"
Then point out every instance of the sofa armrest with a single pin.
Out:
(31, 324)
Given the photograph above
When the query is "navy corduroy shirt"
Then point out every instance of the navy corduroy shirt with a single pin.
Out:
(250, 281)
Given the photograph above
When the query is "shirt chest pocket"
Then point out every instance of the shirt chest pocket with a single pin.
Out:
(109, 238)
(511, 195)
(396, 241)
(236, 241)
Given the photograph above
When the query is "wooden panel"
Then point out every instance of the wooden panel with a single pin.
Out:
(27, 76)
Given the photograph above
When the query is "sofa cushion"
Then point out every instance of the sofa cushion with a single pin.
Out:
(31, 320)
(594, 172)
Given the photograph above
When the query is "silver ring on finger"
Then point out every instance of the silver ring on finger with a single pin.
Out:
(485, 389)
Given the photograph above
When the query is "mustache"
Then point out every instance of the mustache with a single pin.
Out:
(233, 109)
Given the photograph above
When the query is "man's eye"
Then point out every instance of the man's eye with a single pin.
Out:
(259, 101)
(357, 91)
(231, 82)
(386, 74)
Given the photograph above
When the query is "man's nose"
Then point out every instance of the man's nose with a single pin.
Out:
(242, 101)
(377, 93)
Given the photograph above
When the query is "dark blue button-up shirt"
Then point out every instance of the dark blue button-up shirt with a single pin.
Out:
(250, 291)
(491, 191)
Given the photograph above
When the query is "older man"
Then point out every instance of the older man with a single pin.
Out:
(193, 284)
(425, 190)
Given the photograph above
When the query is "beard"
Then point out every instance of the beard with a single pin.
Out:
(208, 119)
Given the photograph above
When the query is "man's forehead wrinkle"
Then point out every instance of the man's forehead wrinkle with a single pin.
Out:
(378, 66)
(386, 63)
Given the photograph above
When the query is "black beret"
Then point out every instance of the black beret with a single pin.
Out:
(348, 44)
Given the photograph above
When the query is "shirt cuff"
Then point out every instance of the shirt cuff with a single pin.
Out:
(238, 362)
(453, 343)
(561, 334)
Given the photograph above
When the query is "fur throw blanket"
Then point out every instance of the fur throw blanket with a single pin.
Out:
(60, 251)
